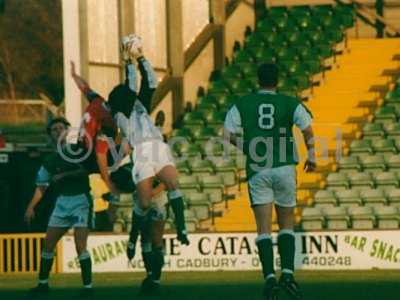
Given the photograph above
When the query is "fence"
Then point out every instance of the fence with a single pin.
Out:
(20, 253)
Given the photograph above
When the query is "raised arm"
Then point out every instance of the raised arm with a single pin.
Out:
(132, 49)
(82, 85)
(149, 82)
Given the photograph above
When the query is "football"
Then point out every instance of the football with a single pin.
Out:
(131, 46)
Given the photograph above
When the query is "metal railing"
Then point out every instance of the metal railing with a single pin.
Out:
(20, 253)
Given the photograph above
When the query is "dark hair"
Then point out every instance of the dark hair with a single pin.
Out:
(55, 121)
(268, 75)
(121, 99)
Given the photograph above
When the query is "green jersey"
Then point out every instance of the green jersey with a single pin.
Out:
(55, 164)
(266, 121)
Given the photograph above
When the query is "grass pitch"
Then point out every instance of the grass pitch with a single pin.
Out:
(316, 285)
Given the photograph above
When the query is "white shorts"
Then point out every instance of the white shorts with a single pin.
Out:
(149, 158)
(73, 211)
(277, 184)
(158, 205)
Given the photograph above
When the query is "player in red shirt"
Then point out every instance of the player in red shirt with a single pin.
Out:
(96, 130)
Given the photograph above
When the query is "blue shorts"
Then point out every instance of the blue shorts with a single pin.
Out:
(73, 211)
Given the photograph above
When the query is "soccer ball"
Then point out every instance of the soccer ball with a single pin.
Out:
(131, 46)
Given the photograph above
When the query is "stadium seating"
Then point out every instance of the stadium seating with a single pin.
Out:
(363, 191)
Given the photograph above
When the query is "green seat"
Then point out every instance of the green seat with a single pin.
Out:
(193, 118)
(242, 87)
(285, 25)
(201, 167)
(206, 108)
(393, 162)
(386, 113)
(232, 71)
(362, 217)
(387, 217)
(266, 25)
(304, 21)
(336, 218)
(209, 99)
(384, 146)
(203, 134)
(218, 87)
(344, 18)
(300, 10)
(240, 162)
(249, 69)
(347, 198)
(373, 197)
(182, 133)
(214, 149)
(189, 150)
(336, 36)
(373, 163)
(387, 179)
(313, 66)
(312, 219)
(325, 198)
(319, 10)
(200, 204)
(302, 78)
(293, 37)
(228, 170)
(226, 100)
(263, 54)
(349, 163)
(393, 97)
(254, 41)
(373, 130)
(214, 186)
(325, 50)
(361, 180)
(361, 146)
(287, 54)
(243, 56)
(276, 42)
(191, 221)
(393, 195)
(337, 181)
(325, 21)
(215, 117)
(277, 10)
(183, 167)
(392, 130)
(188, 184)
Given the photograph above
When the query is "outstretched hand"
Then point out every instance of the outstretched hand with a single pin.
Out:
(73, 72)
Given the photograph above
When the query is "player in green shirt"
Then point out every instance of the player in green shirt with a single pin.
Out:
(265, 120)
(73, 208)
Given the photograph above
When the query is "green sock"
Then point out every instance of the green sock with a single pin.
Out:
(86, 269)
(147, 257)
(157, 262)
(178, 207)
(266, 254)
(46, 264)
(286, 247)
